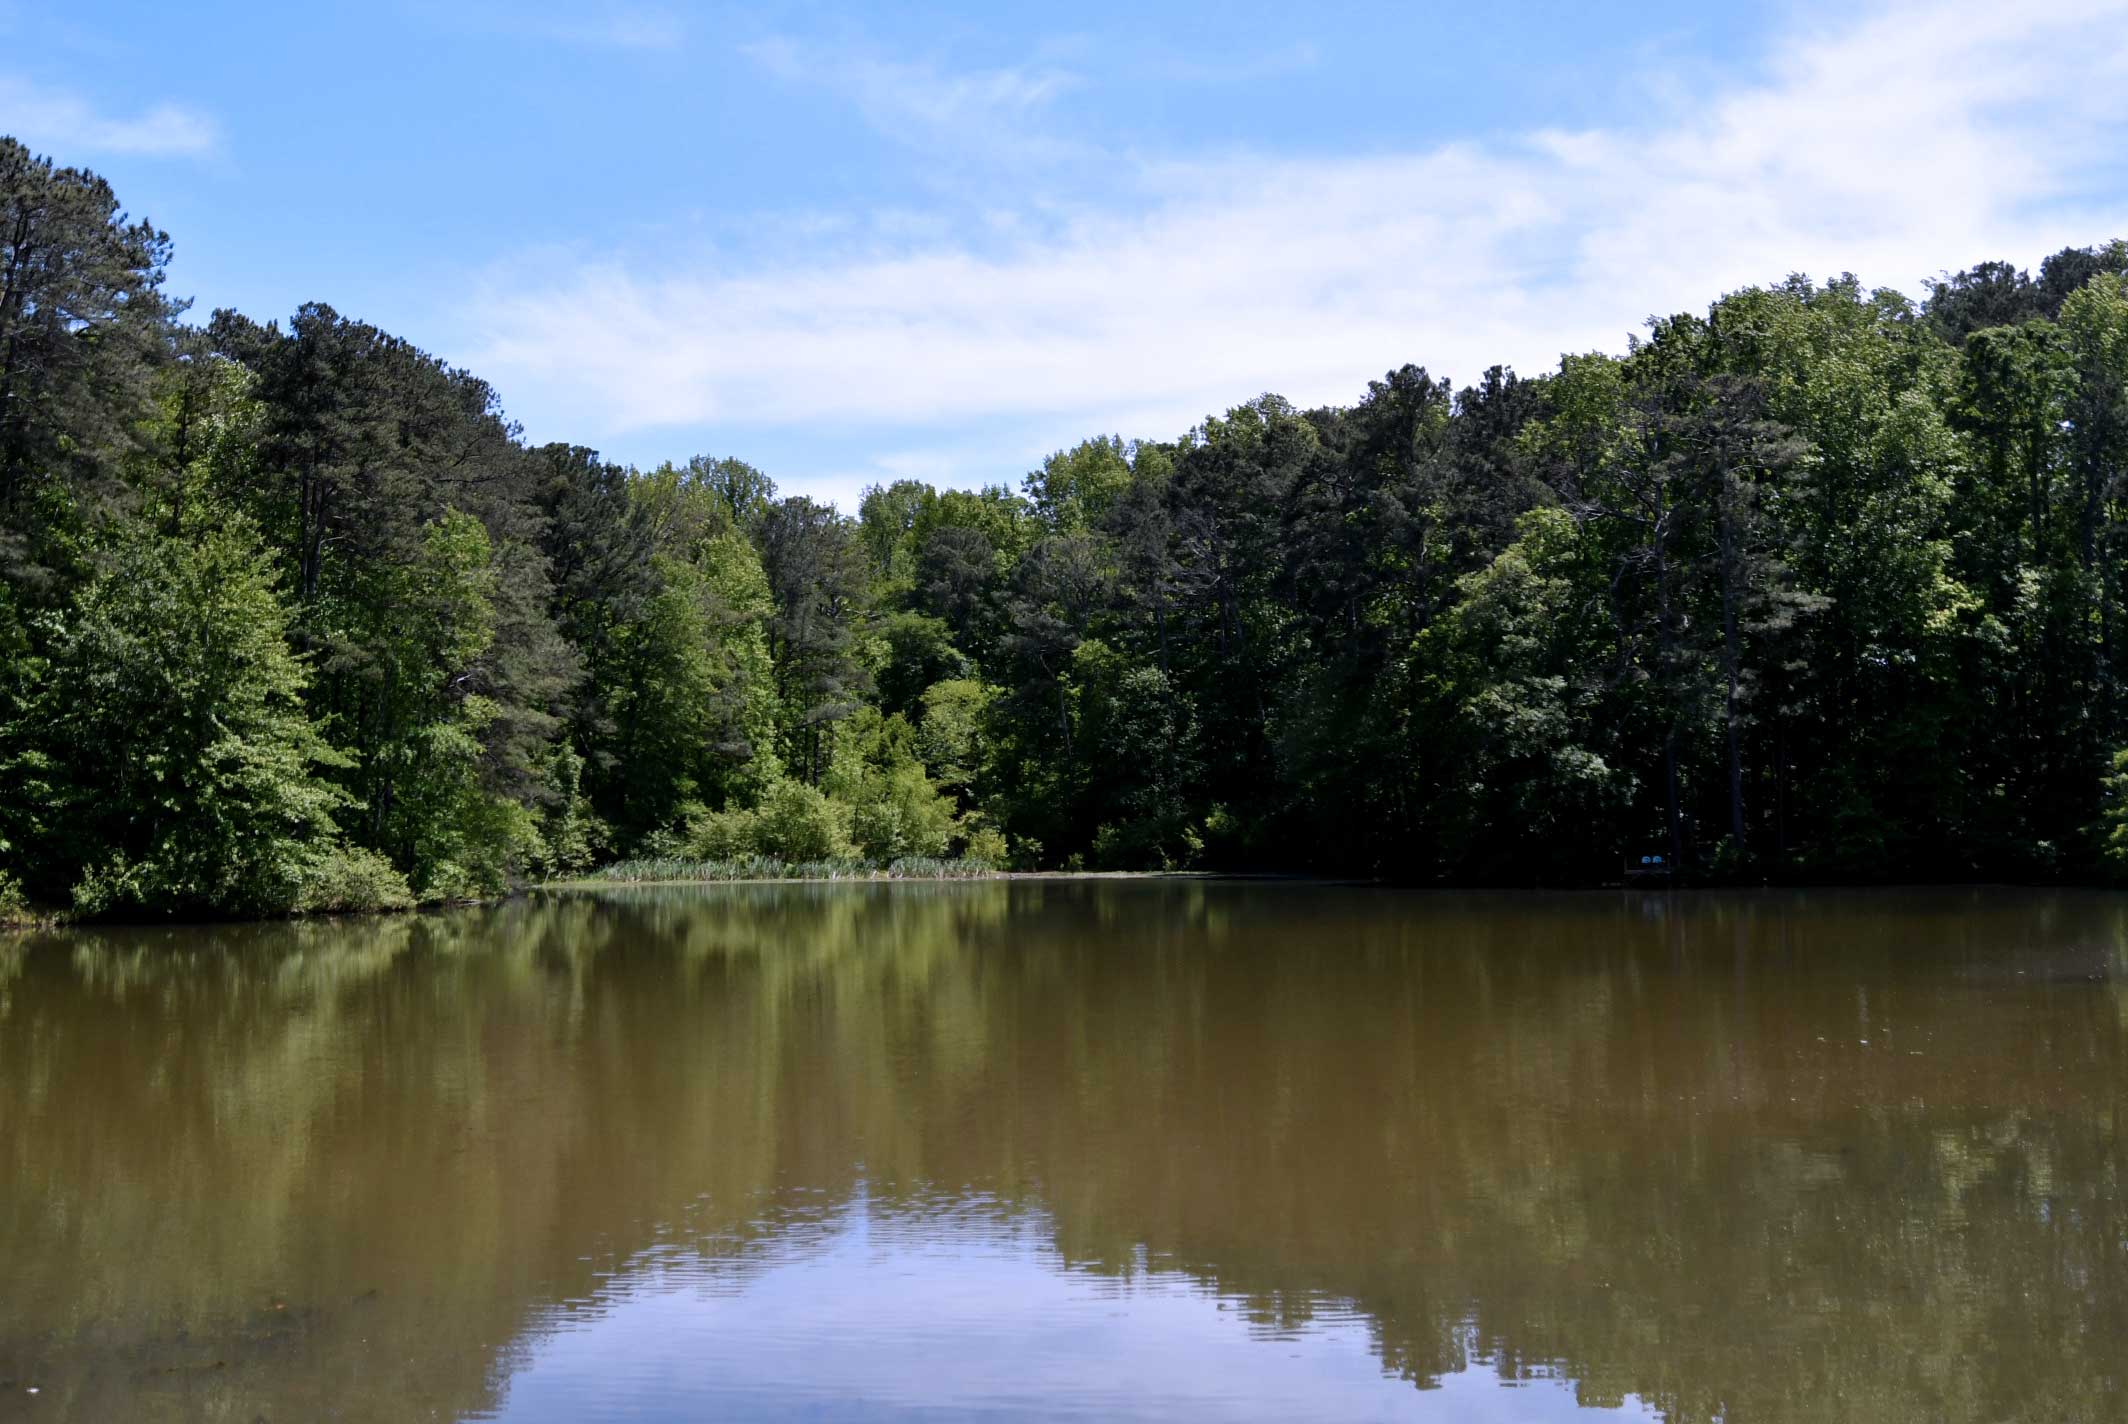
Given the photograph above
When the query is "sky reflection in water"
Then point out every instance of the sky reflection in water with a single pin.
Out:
(948, 1315)
(1152, 1149)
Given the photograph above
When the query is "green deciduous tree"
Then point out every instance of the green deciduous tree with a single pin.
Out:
(185, 773)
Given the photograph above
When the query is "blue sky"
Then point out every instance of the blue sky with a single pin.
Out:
(854, 243)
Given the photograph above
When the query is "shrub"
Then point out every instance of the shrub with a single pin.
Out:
(349, 878)
(720, 835)
(983, 842)
(797, 822)
(1166, 842)
(14, 905)
(664, 843)
(450, 883)
(901, 814)
(572, 836)
(474, 845)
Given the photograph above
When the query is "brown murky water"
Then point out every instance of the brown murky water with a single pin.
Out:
(1161, 1149)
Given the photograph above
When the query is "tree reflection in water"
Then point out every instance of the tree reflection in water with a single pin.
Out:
(1773, 1157)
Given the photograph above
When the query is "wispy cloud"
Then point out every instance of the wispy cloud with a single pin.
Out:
(70, 127)
(595, 25)
(1238, 68)
(923, 102)
(622, 28)
(1912, 139)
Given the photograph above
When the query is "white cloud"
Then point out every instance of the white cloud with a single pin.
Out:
(592, 23)
(1921, 137)
(619, 27)
(70, 128)
(1241, 68)
(981, 110)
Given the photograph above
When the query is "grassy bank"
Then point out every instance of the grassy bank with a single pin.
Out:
(16, 914)
(677, 870)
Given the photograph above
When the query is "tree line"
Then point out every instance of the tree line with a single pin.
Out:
(1821, 583)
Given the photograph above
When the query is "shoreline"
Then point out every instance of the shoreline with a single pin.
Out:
(46, 922)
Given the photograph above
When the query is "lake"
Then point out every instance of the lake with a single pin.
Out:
(1090, 1149)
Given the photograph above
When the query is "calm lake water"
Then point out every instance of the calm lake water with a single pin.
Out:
(1121, 1149)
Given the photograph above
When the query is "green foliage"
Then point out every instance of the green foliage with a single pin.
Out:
(84, 325)
(14, 901)
(2114, 815)
(763, 867)
(426, 769)
(914, 651)
(1513, 683)
(895, 808)
(1129, 715)
(797, 822)
(983, 843)
(720, 835)
(346, 879)
(814, 565)
(1076, 489)
(26, 764)
(952, 734)
(924, 867)
(693, 698)
(888, 518)
(572, 836)
(187, 773)
(1816, 583)
(900, 813)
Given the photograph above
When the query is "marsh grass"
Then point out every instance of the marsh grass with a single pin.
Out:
(669, 869)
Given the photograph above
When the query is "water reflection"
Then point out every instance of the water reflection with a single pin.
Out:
(1184, 1148)
(947, 1314)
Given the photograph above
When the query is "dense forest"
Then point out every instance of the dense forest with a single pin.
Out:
(1823, 583)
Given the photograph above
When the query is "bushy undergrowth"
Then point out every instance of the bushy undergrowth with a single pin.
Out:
(349, 879)
(14, 905)
(768, 867)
